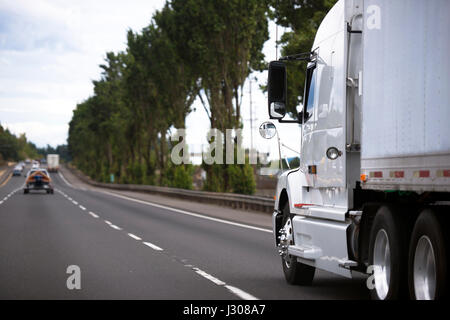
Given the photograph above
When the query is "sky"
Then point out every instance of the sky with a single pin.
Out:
(50, 51)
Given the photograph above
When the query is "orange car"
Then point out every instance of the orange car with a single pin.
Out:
(38, 179)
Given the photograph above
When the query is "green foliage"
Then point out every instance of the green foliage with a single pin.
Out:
(242, 179)
(294, 163)
(190, 49)
(215, 178)
(222, 43)
(180, 176)
(13, 148)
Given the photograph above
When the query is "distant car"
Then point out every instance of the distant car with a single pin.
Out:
(17, 171)
(38, 179)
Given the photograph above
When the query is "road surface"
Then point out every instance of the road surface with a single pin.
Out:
(132, 249)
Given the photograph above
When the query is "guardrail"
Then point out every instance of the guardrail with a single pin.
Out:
(236, 201)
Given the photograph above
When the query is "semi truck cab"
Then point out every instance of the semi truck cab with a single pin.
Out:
(375, 169)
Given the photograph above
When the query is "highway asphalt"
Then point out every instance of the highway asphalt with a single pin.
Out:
(132, 249)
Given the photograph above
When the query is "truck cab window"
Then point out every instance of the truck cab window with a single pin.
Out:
(310, 92)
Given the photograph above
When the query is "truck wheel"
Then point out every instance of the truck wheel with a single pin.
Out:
(387, 256)
(296, 273)
(427, 259)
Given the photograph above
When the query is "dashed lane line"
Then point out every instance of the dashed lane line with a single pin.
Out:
(135, 237)
(93, 215)
(234, 290)
(154, 247)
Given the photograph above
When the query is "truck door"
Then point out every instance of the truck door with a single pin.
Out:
(324, 115)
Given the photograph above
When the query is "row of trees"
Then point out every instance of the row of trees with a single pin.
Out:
(192, 49)
(13, 148)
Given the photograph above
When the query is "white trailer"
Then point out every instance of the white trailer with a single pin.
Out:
(372, 193)
(53, 162)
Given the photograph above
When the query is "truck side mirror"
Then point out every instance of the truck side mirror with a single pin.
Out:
(277, 88)
(267, 130)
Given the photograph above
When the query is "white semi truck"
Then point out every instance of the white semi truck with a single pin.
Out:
(53, 162)
(372, 193)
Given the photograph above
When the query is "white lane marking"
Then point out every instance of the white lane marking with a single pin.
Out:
(74, 202)
(1, 202)
(108, 222)
(70, 199)
(236, 291)
(70, 185)
(240, 293)
(134, 237)
(209, 277)
(64, 179)
(93, 214)
(81, 207)
(151, 245)
(115, 227)
(189, 213)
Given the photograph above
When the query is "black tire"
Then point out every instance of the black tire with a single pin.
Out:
(25, 191)
(428, 225)
(295, 273)
(386, 220)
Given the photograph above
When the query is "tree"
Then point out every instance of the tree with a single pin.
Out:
(222, 41)
(191, 49)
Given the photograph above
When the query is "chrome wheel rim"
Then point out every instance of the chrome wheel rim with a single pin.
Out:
(382, 264)
(424, 270)
(286, 240)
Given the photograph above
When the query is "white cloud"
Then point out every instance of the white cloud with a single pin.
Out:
(49, 54)
(40, 133)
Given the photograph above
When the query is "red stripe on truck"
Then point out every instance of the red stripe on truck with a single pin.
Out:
(376, 174)
(300, 205)
(399, 174)
(424, 173)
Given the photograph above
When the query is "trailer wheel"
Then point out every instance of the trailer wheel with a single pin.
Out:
(387, 252)
(296, 273)
(427, 259)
